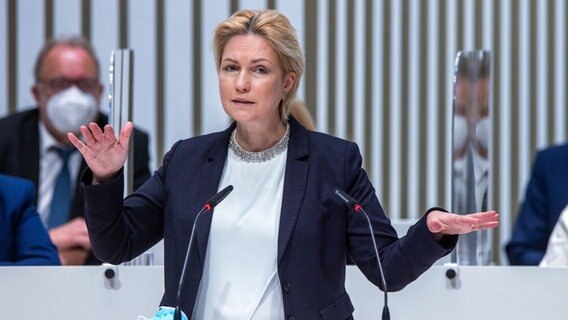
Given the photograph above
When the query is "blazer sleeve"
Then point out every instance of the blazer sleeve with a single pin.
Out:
(120, 230)
(32, 245)
(404, 259)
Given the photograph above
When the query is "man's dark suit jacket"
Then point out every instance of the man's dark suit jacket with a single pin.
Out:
(23, 238)
(317, 230)
(19, 154)
(546, 196)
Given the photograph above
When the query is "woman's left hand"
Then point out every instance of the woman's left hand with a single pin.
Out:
(441, 223)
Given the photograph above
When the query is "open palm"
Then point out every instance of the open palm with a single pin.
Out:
(104, 153)
(449, 223)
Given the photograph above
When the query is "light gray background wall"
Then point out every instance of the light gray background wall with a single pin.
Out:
(379, 72)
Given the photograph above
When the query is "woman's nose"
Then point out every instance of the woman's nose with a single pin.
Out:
(243, 82)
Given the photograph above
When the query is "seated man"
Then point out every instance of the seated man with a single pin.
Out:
(23, 239)
(34, 145)
(545, 198)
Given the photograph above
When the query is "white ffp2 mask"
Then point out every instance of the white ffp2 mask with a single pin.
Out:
(70, 109)
(460, 132)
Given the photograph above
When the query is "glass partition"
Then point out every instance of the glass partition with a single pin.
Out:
(471, 145)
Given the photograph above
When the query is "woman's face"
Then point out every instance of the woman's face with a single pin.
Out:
(251, 82)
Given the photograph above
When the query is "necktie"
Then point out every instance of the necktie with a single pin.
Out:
(61, 200)
(470, 202)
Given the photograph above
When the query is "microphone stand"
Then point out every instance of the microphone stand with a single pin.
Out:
(353, 204)
(209, 205)
(386, 313)
(177, 314)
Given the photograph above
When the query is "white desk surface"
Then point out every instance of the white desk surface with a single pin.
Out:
(480, 293)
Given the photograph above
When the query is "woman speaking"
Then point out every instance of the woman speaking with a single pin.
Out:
(276, 247)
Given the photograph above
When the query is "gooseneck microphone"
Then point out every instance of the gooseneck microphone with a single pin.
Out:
(354, 204)
(208, 206)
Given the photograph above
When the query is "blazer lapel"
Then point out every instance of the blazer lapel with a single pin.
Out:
(296, 175)
(297, 169)
(208, 184)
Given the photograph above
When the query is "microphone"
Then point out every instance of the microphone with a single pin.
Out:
(208, 206)
(354, 204)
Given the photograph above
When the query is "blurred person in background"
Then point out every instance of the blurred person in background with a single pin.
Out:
(34, 145)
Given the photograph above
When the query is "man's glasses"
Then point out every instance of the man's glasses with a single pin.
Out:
(60, 84)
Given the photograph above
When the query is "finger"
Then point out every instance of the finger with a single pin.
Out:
(109, 133)
(125, 134)
(490, 214)
(468, 220)
(489, 225)
(495, 218)
(479, 222)
(87, 135)
(76, 142)
(488, 218)
(483, 215)
(96, 131)
(480, 218)
(482, 225)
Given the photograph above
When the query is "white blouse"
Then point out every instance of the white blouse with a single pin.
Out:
(240, 275)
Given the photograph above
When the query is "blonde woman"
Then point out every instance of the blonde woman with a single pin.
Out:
(276, 247)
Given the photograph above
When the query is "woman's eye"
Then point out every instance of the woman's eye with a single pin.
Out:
(230, 68)
(260, 70)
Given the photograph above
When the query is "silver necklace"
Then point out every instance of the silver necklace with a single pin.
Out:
(261, 156)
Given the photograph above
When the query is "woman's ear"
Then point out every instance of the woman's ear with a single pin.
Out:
(289, 81)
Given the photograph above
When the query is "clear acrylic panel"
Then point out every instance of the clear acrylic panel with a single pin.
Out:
(471, 156)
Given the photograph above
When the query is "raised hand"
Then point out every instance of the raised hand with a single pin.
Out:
(449, 223)
(104, 153)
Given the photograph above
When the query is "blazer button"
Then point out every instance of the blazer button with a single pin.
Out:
(287, 287)
(291, 318)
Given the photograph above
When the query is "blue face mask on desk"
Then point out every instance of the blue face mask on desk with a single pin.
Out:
(164, 313)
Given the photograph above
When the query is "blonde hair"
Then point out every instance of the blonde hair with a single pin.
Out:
(276, 29)
(300, 112)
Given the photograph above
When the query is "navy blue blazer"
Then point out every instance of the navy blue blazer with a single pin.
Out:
(546, 196)
(23, 238)
(317, 231)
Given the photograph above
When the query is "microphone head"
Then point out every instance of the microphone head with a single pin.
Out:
(349, 201)
(218, 197)
(354, 204)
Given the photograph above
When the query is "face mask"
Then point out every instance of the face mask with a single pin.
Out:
(70, 109)
(460, 132)
(482, 132)
(164, 313)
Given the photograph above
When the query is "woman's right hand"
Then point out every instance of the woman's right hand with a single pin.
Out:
(104, 153)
